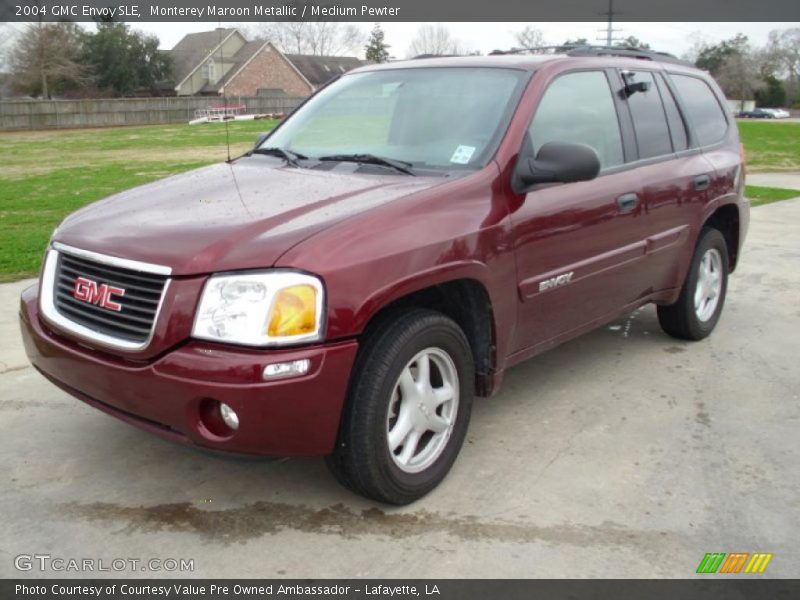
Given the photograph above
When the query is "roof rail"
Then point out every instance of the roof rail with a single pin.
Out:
(426, 56)
(627, 51)
(535, 50)
(588, 50)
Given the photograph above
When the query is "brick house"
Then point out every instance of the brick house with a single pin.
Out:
(206, 62)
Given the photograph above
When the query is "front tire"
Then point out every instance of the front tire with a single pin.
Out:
(695, 314)
(408, 407)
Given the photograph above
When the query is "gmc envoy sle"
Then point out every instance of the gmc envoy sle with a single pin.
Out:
(389, 250)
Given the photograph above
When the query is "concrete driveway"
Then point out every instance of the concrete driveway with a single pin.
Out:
(788, 179)
(621, 454)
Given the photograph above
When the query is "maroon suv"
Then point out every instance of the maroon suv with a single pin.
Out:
(389, 250)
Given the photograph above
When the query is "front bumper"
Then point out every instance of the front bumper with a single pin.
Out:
(296, 416)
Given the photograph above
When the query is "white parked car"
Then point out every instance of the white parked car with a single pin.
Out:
(778, 113)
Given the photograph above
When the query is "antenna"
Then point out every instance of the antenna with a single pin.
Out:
(224, 97)
(610, 31)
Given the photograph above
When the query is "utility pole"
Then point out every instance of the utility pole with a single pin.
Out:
(42, 51)
(610, 31)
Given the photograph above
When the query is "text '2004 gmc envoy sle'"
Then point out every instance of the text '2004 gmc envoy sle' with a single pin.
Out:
(385, 253)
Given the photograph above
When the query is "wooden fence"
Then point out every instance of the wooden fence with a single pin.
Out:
(65, 114)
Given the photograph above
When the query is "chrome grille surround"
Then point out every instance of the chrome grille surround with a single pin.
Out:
(131, 331)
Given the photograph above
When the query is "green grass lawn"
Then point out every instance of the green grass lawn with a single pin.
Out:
(764, 195)
(45, 175)
(771, 145)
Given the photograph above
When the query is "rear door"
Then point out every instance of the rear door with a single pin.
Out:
(675, 174)
(579, 247)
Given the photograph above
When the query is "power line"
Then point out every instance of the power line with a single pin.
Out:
(609, 30)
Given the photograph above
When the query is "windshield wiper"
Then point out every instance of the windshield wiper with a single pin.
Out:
(370, 159)
(290, 157)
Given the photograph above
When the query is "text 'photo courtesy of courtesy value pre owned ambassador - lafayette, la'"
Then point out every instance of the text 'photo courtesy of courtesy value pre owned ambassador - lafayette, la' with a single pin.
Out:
(412, 230)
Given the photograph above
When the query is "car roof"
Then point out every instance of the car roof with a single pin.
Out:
(530, 62)
(527, 62)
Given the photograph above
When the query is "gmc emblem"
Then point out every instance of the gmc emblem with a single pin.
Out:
(90, 291)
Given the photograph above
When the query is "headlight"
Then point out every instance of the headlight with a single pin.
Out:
(261, 308)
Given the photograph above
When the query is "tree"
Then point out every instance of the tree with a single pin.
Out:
(319, 38)
(124, 61)
(769, 64)
(573, 43)
(288, 36)
(45, 59)
(6, 42)
(734, 64)
(328, 38)
(711, 57)
(784, 47)
(773, 95)
(434, 40)
(738, 76)
(633, 42)
(377, 50)
(698, 41)
(529, 38)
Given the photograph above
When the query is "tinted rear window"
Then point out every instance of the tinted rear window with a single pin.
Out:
(649, 120)
(702, 107)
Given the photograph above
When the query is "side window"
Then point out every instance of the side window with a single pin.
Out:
(579, 107)
(649, 120)
(703, 109)
(677, 127)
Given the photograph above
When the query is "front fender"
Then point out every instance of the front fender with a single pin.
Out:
(437, 275)
(458, 230)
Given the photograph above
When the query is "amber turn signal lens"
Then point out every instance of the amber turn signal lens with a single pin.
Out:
(294, 312)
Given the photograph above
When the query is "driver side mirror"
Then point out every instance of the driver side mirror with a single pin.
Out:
(556, 162)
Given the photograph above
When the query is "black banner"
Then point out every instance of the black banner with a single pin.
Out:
(398, 10)
(731, 588)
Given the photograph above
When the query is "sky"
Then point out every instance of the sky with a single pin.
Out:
(675, 38)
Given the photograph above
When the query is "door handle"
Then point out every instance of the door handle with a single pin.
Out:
(627, 202)
(701, 182)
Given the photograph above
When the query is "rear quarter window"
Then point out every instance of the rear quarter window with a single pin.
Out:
(677, 128)
(702, 107)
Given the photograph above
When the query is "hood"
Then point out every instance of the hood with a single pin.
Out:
(229, 216)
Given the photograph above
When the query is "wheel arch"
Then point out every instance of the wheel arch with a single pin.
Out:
(726, 220)
(460, 295)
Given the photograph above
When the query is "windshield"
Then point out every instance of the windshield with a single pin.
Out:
(439, 118)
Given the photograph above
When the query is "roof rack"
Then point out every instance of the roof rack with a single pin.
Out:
(627, 51)
(536, 50)
(425, 56)
(587, 50)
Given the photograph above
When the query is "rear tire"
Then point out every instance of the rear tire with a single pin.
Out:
(407, 409)
(695, 314)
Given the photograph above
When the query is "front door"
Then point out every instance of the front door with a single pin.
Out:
(579, 247)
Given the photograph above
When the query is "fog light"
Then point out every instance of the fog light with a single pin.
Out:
(229, 416)
(287, 369)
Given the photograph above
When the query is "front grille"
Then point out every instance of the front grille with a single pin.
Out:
(138, 305)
